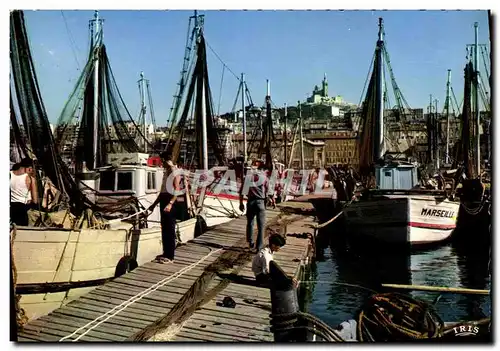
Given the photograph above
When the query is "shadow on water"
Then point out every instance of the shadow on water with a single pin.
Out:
(445, 265)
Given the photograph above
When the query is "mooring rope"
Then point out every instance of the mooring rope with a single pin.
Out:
(322, 225)
(110, 314)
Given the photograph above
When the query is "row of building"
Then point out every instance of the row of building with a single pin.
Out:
(331, 129)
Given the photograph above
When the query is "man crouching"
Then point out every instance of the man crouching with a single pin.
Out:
(260, 263)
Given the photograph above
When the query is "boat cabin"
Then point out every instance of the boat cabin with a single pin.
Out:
(396, 176)
(127, 175)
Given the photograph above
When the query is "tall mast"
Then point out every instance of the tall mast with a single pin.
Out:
(430, 130)
(476, 101)
(142, 90)
(269, 125)
(244, 118)
(96, 43)
(285, 136)
(379, 125)
(301, 137)
(436, 140)
(448, 84)
(204, 138)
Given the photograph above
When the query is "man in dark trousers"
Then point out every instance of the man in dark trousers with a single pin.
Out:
(258, 191)
(167, 200)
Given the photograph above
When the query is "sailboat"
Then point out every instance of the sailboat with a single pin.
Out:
(396, 211)
(55, 264)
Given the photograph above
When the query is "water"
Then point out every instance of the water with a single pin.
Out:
(442, 266)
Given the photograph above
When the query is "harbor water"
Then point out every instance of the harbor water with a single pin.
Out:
(342, 280)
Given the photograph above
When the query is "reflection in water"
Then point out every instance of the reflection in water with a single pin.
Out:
(441, 266)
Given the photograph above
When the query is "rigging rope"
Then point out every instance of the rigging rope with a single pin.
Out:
(223, 63)
(72, 41)
(220, 90)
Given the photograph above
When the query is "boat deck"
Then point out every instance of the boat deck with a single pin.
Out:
(180, 301)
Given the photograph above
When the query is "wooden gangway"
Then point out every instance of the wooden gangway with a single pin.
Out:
(141, 305)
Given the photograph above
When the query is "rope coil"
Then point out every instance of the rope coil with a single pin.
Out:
(397, 317)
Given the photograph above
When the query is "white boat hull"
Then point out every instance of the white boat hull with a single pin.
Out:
(47, 255)
(402, 219)
(221, 209)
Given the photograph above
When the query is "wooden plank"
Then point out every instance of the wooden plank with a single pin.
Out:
(118, 319)
(214, 320)
(167, 272)
(134, 308)
(116, 300)
(93, 311)
(52, 335)
(138, 287)
(235, 335)
(218, 326)
(131, 291)
(205, 337)
(153, 299)
(65, 329)
(181, 281)
(77, 323)
(146, 283)
(21, 339)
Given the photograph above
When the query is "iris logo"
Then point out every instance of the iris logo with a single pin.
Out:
(466, 330)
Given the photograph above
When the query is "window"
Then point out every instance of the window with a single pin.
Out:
(107, 181)
(387, 174)
(151, 181)
(124, 181)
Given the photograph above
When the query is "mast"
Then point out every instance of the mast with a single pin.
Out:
(96, 43)
(285, 136)
(436, 139)
(244, 118)
(269, 125)
(430, 131)
(476, 101)
(142, 89)
(204, 139)
(448, 84)
(379, 117)
(301, 138)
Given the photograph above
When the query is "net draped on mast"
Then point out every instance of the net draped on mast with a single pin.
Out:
(29, 121)
(116, 129)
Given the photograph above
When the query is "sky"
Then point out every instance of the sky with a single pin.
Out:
(293, 49)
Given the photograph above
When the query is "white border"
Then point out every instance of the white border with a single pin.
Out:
(202, 5)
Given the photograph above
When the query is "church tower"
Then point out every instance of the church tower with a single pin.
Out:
(325, 86)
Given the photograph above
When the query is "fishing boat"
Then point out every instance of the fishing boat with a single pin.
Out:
(90, 241)
(395, 210)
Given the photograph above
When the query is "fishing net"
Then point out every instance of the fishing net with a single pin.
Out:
(113, 129)
(28, 117)
(30, 126)
(198, 84)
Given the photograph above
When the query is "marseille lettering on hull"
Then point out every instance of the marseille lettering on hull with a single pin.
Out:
(437, 213)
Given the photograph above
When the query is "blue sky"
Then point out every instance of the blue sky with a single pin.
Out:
(291, 48)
